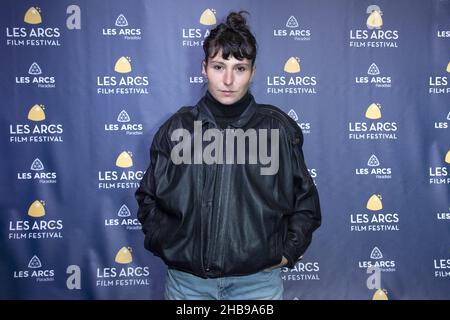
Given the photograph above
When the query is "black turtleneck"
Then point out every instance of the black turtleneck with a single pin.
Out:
(226, 114)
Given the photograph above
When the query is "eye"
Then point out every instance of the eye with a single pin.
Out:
(217, 67)
(241, 69)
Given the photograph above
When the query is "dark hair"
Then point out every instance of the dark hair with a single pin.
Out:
(233, 37)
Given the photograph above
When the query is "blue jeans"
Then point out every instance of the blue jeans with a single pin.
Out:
(264, 285)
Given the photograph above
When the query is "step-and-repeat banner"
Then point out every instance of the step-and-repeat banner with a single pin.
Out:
(86, 84)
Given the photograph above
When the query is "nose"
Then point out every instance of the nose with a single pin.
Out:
(228, 77)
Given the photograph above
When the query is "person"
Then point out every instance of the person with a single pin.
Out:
(224, 203)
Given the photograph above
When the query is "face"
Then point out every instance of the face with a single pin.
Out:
(228, 80)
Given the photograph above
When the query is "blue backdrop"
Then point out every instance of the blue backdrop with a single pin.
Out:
(85, 85)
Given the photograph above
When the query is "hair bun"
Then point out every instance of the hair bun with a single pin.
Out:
(236, 20)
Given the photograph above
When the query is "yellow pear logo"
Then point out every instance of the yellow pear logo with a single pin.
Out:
(123, 65)
(36, 113)
(124, 256)
(373, 111)
(374, 203)
(124, 160)
(36, 209)
(292, 65)
(380, 295)
(447, 157)
(374, 21)
(33, 16)
(448, 67)
(208, 17)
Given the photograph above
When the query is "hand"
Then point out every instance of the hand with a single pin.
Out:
(283, 262)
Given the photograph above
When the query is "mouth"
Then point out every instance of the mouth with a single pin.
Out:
(227, 92)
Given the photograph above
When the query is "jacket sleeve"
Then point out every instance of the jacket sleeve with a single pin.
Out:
(146, 193)
(306, 215)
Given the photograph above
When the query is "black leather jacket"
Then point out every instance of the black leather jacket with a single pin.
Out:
(216, 220)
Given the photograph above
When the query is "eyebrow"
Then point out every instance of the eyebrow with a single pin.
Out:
(237, 64)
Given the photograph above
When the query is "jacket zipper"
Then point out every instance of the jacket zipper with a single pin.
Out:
(213, 233)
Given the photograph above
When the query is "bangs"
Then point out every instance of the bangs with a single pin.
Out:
(231, 44)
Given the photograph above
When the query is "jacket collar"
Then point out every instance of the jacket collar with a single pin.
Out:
(205, 115)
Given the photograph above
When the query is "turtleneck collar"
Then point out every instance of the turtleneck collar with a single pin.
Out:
(224, 111)
(205, 106)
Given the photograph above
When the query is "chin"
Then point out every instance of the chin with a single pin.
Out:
(227, 101)
(230, 100)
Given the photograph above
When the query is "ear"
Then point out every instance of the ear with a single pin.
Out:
(253, 72)
(204, 69)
